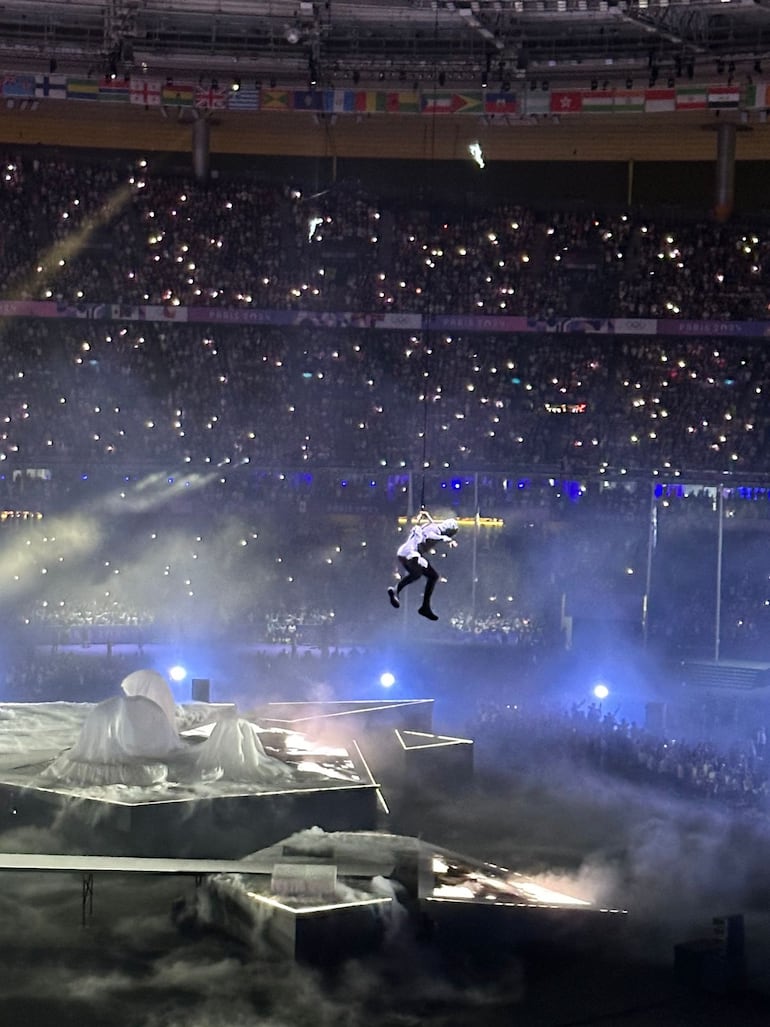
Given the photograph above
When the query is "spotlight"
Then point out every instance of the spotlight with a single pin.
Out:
(601, 692)
(387, 680)
(236, 85)
(177, 672)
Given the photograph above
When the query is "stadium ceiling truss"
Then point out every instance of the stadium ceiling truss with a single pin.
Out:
(335, 42)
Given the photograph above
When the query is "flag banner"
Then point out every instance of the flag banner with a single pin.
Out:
(723, 97)
(145, 91)
(275, 100)
(599, 101)
(351, 101)
(403, 102)
(115, 90)
(211, 99)
(366, 101)
(177, 94)
(628, 101)
(18, 85)
(566, 102)
(500, 103)
(658, 100)
(343, 101)
(52, 87)
(308, 100)
(691, 98)
(757, 95)
(244, 99)
(452, 103)
(82, 89)
(537, 102)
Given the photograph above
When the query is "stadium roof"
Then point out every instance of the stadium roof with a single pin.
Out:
(460, 41)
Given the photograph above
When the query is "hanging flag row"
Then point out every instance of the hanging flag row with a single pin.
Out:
(157, 92)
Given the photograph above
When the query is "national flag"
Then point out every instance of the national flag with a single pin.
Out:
(566, 102)
(212, 98)
(177, 94)
(723, 97)
(598, 101)
(145, 91)
(82, 89)
(691, 98)
(537, 102)
(365, 101)
(657, 100)
(401, 102)
(52, 87)
(244, 99)
(18, 85)
(628, 101)
(452, 103)
(370, 101)
(342, 101)
(500, 103)
(275, 100)
(308, 99)
(757, 95)
(115, 90)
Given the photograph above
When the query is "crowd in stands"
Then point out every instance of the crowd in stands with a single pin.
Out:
(113, 234)
(730, 767)
(278, 459)
(237, 242)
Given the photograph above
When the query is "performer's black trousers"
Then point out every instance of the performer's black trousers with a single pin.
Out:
(414, 572)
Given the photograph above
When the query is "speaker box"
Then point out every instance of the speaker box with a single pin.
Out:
(201, 690)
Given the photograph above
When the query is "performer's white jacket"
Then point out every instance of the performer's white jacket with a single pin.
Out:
(421, 538)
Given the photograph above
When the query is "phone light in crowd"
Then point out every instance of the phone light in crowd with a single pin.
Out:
(601, 692)
(387, 680)
(477, 153)
(177, 673)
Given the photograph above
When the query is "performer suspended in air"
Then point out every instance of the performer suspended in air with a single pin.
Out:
(422, 539)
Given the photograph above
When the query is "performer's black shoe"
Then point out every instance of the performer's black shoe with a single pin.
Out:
(425, 611)
(393, 598)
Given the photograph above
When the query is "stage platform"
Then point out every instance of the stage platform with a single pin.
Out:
(322, 897)
(178, 816)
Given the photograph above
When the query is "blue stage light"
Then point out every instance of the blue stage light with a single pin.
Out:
(387, 680)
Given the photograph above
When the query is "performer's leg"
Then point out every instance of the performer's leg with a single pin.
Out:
(413, 572)
(431, 575)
